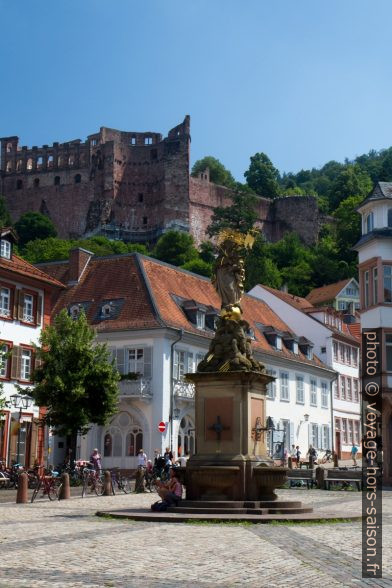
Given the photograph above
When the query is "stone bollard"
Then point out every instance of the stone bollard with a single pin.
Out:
(310, 462)
(290, 463)
(335, 460)
(65, 490)
(320, 477)
(21, 495)
(107, 484)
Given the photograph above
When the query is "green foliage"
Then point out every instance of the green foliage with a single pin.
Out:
(207, 252)
(351, 181)
(259, 266)
(5, 217)
(218, 173)
(175, 247)
(34, 225)
(198, 266)
(241, 215)
(348, 227)
(76, 381)
(262, 177)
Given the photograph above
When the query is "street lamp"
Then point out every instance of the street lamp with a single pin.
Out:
(21, 402)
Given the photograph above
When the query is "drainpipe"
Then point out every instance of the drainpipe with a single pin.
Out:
(332, 419)
(181, 334)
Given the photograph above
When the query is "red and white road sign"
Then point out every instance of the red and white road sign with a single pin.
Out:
(162, 427)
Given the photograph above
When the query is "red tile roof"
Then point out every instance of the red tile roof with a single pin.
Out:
(324, 294)
(355, 330)
(292, 299)
(19, 266)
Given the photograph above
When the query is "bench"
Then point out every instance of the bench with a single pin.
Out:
(334, 476)
(301, 474)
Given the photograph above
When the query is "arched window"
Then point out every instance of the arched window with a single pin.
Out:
(107, 445)
(19, 165)
(369, 222)
(36, 182)
(117, 443)
(29, 165)
(50, 161)
(9, 147)
(124, 437)
(389, 217)
(71, 160)
(60, 161)
(9, 166)
(186, 436)
(19, 185)
(78, 179)
(57, 180)
(134, 442)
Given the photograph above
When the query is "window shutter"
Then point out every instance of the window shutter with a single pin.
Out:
(39, 310)
(175, 365)
(15, 309)
(190, 363)
(320, 436)
(15, 363)
(291, 434)
(120, 359)
(147, 362)
(20, 305)
(112, 354)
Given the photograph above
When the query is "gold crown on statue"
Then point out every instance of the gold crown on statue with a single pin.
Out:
(243, 239)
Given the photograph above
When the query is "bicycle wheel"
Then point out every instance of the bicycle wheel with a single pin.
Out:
(125, 485)
(53, 490)
(98, 487)
(36, 490)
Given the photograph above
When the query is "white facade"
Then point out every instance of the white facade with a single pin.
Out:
(316, 328)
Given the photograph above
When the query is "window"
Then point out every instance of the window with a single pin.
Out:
(144, 220)
(71, 160)
(148, 140)
(132, 141)
(325, 438)
(324, 395)
(342, 387)
(106, 310)
(50, 161)
(388, 349)
(19, 184)
(9, 147)
(344, 431)
(271, 387)
(78, 179)
(337, 424)
(5, 249)
(323, 349)
(9, 166)
(366, 289)
(179, 364)
(200, 319)
(134, 442)
(313, 392)
(28, 308)
(60, 161)
(314, 434)
(74, 311)
(349, 389)
(369, 222)
(57, 180)
(29, 165)
(375, 285)
(387, 283)
(26, 364)
(300, 390)
(350, 432)
(5, 302)
(356, 390)
(93, 142)
(356, 432)
(4, 363)
(354, 354)
(136, 360)
(140, 197)
(40, 161)
(341, 352)
(336, 392)
(284, 387)
(348, 355)
(342, 305)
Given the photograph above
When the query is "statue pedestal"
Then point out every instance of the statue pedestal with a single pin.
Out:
(231, 462)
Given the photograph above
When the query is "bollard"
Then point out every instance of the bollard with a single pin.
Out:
(310, 462)
(107, 484)
(320, 477)
(21, 495)
(335, 460)
(65, 490)
(290, 463)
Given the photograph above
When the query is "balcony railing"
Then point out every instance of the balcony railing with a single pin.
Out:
(184, 389)
(136, 388)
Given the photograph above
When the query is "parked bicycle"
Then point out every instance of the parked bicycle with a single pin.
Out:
(92, 482)
(327, 457)
(50, 484)
(120, 482)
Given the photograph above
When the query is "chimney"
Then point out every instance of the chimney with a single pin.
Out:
(78, 261)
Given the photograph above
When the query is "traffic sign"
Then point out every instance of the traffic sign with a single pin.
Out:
(162, 427)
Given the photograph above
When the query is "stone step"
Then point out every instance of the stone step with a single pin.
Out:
(190, 510)
(241, 504)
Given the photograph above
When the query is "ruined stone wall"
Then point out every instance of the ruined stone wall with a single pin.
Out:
(299, 214)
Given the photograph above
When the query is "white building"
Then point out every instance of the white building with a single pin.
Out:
(375, 278)
(337, 347)
(25, 307)
(158, 321)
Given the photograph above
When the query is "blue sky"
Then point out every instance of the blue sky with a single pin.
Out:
(304, 81)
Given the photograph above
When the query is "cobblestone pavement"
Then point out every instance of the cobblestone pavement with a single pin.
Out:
(63, 545)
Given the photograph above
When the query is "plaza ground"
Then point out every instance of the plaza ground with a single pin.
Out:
(63, 544)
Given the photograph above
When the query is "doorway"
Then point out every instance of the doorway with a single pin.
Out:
(338, 445)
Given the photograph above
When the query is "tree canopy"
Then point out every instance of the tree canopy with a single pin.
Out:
(218, 173)
(262, 177)
(76, 380)
(241, 215)
(34, 225)
(175, 247)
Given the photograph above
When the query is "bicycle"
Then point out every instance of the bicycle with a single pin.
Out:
(327, 457)
(92, 479)
(123, 483)
(50, 485)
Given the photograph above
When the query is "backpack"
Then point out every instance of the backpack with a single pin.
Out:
(159, 506)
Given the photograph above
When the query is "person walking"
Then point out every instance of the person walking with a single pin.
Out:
(298, 456)
(354, 451)
(95, 459)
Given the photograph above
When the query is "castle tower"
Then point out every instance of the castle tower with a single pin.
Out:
(375, 278)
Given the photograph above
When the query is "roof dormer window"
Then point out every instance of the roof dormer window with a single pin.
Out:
(5, 249)
(74, 311)
(369, 222)
(106, 310)
(200, 319)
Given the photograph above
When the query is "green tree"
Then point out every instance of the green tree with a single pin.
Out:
(348, 227)
(34, 225)
(175, 247)
(262, 177)
(218, 173)
(50, 249)
(259, 267)
(351, 181)
(76, 381)
(241, 215)
(294, 261)
(5, 217)
(198, 266)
